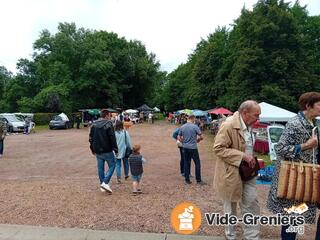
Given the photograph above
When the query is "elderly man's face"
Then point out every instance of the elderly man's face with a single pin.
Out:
(251, 115)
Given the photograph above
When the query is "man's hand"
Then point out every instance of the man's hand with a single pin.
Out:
(250, 160)
(199, 139)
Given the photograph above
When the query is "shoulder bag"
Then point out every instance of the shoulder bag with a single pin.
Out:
(128, 149)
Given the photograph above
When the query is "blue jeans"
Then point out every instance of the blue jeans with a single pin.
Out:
(318, 230)
(136, 178)
(125, 167)
(111, 161)
(188, 155)
(1, 146)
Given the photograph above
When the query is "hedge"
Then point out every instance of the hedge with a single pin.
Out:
(43, 118)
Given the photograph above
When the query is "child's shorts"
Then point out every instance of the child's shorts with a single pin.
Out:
(136, 178)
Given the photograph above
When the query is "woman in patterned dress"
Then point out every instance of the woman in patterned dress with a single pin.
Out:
(296, 142)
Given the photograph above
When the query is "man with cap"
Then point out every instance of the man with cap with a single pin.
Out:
(190, 135)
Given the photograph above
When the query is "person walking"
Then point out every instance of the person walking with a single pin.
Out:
(78, 120)
(3, 132)
(297, 143)
(190, 135)
(123, 142)
(233, 144)
(179, 144)
(136, 160)
(103, 145)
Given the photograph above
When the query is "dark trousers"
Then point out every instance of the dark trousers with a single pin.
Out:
(1, 146)
(318, 230)
(188, 155)
(181, 160)
(287, 236)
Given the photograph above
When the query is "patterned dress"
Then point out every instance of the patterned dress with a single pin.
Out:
(298, 130)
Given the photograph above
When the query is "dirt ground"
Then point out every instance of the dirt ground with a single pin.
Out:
(50, 179)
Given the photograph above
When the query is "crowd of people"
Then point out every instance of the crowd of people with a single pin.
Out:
(234, 144)
(111, 144)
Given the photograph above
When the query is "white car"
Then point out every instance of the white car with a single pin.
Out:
(14, 124)
(274, 133)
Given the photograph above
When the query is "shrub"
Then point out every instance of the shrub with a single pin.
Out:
(43, 118)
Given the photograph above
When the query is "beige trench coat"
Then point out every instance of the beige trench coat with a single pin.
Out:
(229, 147)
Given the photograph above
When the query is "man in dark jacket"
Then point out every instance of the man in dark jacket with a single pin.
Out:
(103, 145)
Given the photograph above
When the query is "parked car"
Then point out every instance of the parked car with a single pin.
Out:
(14, 124)
(59, 122)
(274, 133)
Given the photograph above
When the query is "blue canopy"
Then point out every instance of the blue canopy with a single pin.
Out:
(199, 113)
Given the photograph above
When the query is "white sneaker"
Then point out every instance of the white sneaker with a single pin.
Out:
(106, 187)
(102, 189)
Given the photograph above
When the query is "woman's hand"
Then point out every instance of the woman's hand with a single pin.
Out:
(311, 143)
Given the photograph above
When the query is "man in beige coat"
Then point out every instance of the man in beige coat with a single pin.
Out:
(233, 144)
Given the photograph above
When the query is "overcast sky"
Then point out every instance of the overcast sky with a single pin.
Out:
(169, 28)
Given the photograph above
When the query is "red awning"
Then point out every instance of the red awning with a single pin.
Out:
(221, 110)
(258, 124)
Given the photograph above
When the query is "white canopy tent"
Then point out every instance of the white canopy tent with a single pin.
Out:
(156, 109)
(131, 111)
(64, 116)
(271, 113)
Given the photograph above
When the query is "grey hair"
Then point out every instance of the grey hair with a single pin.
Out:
(247, 105)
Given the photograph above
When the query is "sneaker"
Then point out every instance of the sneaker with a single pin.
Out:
(202, 183)
(118, 180)
(134, 193)
(126, 177)
(102, 189)
(139, 191)
(106, 187)
(188, 182)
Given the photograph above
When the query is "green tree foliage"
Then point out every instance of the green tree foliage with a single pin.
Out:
(270, 54)
(5, 77)
(78, 68)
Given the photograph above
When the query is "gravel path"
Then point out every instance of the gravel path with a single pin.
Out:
(50, 179)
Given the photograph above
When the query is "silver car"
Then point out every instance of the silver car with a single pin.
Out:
(14, 124)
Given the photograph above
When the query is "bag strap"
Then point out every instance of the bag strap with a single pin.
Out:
(125, 138)
(313, 132)
(314, 149)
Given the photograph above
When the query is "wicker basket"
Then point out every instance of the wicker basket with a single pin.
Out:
(299, 181)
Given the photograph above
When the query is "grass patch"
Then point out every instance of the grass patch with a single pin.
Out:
(40, 128)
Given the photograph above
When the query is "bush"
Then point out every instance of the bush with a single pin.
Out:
(159, 116)
(43, 118)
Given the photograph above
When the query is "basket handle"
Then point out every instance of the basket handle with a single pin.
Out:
(313, 149)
